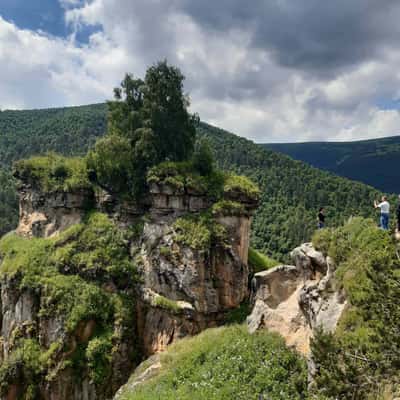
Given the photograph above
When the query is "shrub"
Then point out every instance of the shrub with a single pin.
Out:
(110, 163)
(98, 355)
(235, 184)
(228, 207)
(54, 172)
(199, 231)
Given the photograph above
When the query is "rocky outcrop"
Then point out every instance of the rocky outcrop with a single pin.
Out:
(182, 288)
(296, 300)
(208, 281)
(47, 214)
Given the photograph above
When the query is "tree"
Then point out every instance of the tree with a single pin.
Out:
(165, 108)
(151, 120)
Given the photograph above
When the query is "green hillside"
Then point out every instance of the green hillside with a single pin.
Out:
(374, 162)
(224, 363)
(291, 190)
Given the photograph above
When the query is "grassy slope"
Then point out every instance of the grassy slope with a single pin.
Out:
(226, 363)
(374, 162)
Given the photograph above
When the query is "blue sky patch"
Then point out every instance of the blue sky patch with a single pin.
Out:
(45, 15)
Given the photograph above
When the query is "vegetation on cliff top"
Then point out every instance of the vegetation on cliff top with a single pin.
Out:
(363, 357)
(70, 271)
(148, 123)
(53, 172)
(226, 363)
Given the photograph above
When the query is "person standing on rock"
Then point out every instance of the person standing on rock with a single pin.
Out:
(321, 218)
(385, 210)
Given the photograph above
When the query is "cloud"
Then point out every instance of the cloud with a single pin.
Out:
(273, 71)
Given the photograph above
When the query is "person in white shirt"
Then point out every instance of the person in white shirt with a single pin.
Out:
(385, 210)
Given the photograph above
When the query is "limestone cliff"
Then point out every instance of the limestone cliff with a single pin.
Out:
(295, 300)
(85, 297)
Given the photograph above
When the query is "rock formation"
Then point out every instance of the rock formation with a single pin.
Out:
(296, 300)
(183, 286)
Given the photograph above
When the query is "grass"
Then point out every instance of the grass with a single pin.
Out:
(227, 363)
(167, 304)
(54, 172)
(260, 262)
(363, 356)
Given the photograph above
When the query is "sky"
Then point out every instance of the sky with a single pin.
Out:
(269, 70)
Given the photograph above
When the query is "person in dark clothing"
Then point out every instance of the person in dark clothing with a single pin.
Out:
(321, 218)
(398, 215)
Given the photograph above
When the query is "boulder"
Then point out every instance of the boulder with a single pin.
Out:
(296, 300)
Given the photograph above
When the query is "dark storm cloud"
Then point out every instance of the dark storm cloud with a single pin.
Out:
(311, 35)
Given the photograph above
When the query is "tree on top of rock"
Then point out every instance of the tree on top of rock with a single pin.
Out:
(150, 120)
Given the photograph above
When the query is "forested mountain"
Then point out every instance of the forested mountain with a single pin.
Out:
(291, 190)
(374, 162)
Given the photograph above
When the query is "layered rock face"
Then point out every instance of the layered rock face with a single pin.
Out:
(185, 284)
(296, 300)
(193, 286)
(47, 214)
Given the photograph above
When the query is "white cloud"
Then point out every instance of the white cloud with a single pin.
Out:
(233, 84)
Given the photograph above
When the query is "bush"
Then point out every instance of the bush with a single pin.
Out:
(199, 231)
(202, 160)
(110, 164)
(235, 184)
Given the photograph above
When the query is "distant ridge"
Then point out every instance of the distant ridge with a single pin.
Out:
(375, 162)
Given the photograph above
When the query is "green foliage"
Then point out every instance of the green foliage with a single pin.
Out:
(291, 192)
(226, 363)
(69, 272)
(69, 131)
(239, 314)
(165, 107)
(54, 172)
(373, 162)
(240, 184)
(148, 123)
(260, 262)
(183, 175)
(8, 202)
(98, 356)
(199, 231)
(22, 366)
(364, 354)
(228, 207)
(107, 169)
(167, 304)
(203, 160)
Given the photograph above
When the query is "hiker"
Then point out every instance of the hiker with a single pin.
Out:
(321, 218)
(398, 215)
(385, 209)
